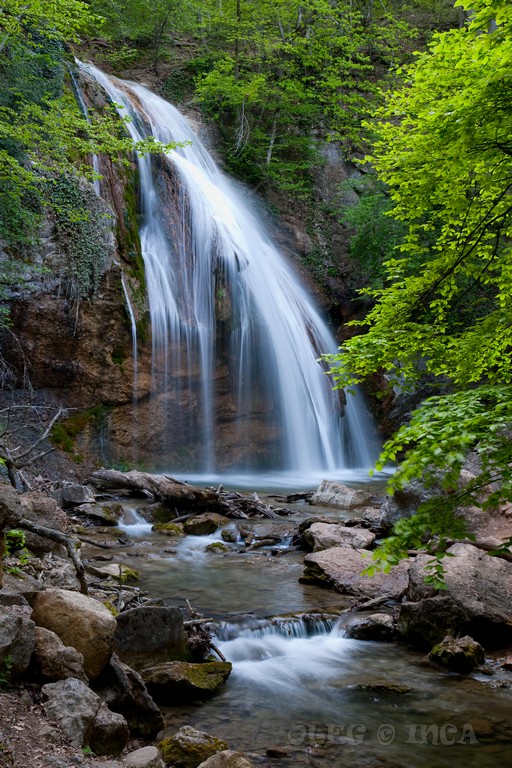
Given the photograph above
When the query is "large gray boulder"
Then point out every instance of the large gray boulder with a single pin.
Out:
(79, 621)
(83, 718)
(340, 569)
(17, 641)
(123, 689)
(479, 587)
(178, 681)
(53, 661)
(149, 635)
(73, 706)
(320, 536)
(333, 494)
(204, 525)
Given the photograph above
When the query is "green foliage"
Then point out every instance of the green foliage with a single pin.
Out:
(376, 233)
(443, 148)
(17, 553)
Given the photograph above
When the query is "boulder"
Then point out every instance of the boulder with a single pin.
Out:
(149, 635)
(52, 660)
(17, 641)
(461, 655)
(147, 757)
(79, 621)
(103, 514)
(426, 622)
(109, 734)
(189, 748)
(228, 759)
(168, 529)
(320, 536)
(63, 576)
(24, 586)
(124, 691)
(176, 681)
(75, 495)
(340, 569)
(479, 585)
(333, 494)
(378, 626)
(45, 511)
(404, 503)
(73, 706)
(230, 535)
(203, 525)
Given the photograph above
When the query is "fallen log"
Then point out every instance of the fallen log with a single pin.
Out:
(161, 487)
(185, 498)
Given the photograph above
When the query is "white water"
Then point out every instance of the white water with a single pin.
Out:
(216, 247)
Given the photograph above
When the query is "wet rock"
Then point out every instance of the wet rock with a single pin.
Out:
(75, 495)
(79, 621)
(149, 635)
(333, 494)
(147, 757)
(229, 759)
(378, 626)
(17, 641)
(426, 622)
(308, 522)
(481, 588)
(168, 529)
(177, 681)
(322, 536)
(217, 546)
(52, 660)
(340, 569)
(73, 706)
(104, 514)
(461, 655)
(229, 535)
(124, 691)
(188, 748)
(109, 734)
(203, 525)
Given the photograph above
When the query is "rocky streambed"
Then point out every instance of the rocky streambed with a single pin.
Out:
(322, 665)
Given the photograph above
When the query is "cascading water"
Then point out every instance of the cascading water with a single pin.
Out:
(222, 297)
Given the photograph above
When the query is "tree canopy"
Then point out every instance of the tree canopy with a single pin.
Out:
(442, 144)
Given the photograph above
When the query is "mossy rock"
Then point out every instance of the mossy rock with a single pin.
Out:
(217, 546)
(461, 655)
(188, 748)
(168, 529)
(229, 535)
(117, 571)
(204, 525)
(177, 681)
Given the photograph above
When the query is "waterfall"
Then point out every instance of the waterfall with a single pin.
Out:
(133, 325)
(228, 315)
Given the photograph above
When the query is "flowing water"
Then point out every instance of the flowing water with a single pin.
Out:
(222, 298)
(299, 685)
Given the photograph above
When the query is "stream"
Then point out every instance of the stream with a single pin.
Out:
(299, 686)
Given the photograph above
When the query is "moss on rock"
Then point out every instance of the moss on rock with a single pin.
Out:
(189, 748)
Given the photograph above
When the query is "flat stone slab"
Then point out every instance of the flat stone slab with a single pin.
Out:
(340, 569)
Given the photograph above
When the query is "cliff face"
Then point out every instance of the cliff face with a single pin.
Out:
(77, 349)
